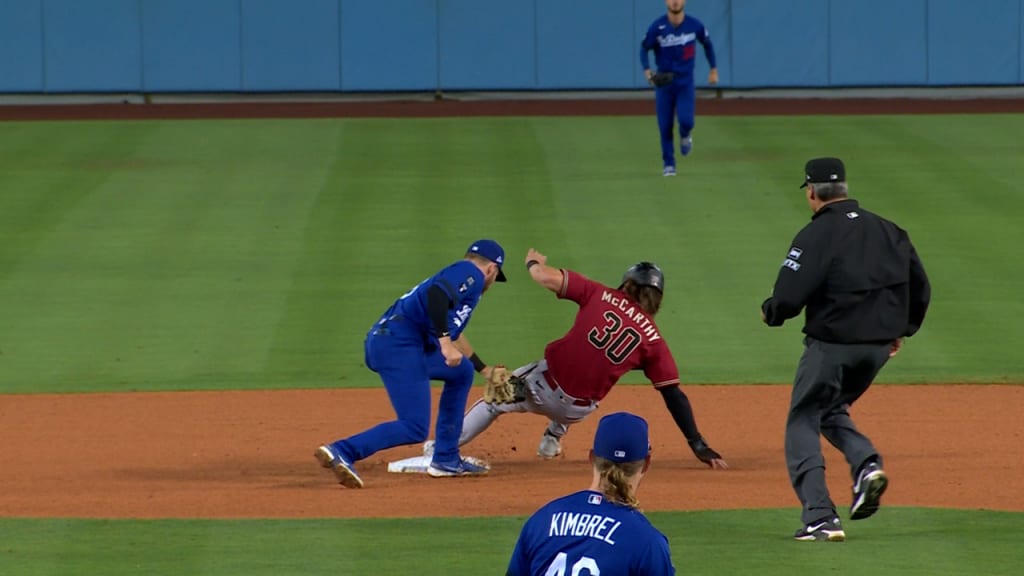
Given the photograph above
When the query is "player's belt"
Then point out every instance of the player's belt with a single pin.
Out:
(550, 381)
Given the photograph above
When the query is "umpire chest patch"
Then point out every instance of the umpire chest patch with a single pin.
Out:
(795, 253)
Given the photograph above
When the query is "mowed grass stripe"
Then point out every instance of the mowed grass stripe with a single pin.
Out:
(906, 541)
(255, 254)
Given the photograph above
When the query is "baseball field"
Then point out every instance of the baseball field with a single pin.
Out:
(184, 292)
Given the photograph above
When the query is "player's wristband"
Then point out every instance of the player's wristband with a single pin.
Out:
(531, 263)
(478, 364)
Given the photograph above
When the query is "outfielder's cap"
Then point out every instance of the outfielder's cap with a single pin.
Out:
(622, 437)
(821, 170)
(492, 251)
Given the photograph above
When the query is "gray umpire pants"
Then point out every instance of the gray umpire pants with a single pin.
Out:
(829, 378)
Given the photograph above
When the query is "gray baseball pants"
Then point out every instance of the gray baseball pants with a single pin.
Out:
(829, 378)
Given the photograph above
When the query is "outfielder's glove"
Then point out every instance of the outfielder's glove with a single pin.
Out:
(662, 78)
(504, 388)
(703, 452)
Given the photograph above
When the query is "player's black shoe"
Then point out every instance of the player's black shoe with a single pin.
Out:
(823, 530)
(867, 491)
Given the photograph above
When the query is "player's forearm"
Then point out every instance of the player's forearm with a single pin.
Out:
(463, 345)
(467, 350)
(709, 53)
(546, 276)
(679, 406)
(645, 58)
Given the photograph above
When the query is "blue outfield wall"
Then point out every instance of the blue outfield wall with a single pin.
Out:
(416, 45)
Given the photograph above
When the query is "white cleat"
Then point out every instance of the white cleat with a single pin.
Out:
(549, 447)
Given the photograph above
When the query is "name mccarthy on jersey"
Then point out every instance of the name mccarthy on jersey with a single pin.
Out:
(592, 525)
(633, 313)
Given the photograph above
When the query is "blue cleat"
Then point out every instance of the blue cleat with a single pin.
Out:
(341, 467)
(686, 145)
(461, 467)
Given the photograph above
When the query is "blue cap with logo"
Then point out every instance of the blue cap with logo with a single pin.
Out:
(622, 437)
(492, 251)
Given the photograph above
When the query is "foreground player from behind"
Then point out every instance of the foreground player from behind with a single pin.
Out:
(599, 530)
(614, 332)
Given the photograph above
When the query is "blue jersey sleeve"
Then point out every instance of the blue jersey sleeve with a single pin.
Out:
(464, 283)
(709, 49)
(658, 559)
(648, 44)
(519, 564)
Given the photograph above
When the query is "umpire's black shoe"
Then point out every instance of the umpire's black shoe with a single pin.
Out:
(823, 530)
(867, 491)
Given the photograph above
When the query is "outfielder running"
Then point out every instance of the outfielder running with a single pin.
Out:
(614, 332)
(674, 37)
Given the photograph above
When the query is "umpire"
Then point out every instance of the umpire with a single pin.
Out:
(864, 288)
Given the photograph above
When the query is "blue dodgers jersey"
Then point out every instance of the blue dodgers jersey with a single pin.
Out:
(675, 49)
(584, 534)
(463, 282)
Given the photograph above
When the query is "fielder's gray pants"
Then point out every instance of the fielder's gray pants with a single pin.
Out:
(829, 379)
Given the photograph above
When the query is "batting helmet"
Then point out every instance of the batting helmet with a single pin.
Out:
(645, 274)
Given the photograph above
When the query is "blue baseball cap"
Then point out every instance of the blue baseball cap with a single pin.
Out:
(492, 251)
(622, 437)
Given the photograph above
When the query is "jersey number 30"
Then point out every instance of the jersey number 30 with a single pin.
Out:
(617, 342)
(557, 567)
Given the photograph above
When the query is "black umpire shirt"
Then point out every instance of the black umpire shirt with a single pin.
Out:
(857, 273)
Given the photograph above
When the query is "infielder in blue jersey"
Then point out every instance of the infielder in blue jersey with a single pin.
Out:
(419, 339)
(599, 530)
(674, 37)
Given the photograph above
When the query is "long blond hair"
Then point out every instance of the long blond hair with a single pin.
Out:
(648, 297)
(615, 480)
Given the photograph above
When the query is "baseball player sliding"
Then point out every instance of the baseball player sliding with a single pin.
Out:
(614, 332)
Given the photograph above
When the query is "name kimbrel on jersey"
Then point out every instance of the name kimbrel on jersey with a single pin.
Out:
(593, 525)
(642, 321)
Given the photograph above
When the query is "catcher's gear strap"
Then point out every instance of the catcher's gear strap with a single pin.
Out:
(679, 405)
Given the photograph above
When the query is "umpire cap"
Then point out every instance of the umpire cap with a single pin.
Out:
(823, 170)
(645, 274)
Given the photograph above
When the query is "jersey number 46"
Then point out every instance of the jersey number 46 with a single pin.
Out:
(616, 342)
(586, 563)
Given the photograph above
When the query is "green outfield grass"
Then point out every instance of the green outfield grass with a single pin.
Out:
(905, 541)
(255, 254)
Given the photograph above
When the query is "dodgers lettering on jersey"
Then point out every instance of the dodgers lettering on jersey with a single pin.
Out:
(610, 336)
(675, 47)
(463, 282)
(584, 533)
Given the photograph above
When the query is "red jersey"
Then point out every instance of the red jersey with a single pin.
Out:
(610, 336)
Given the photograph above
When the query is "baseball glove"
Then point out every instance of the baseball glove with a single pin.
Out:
(504, 388)
(662, 78)
(703, 452)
